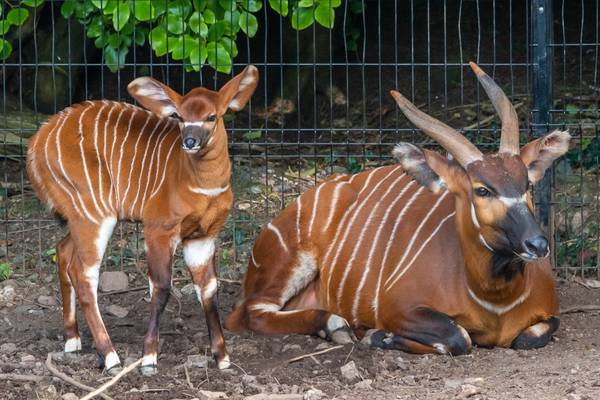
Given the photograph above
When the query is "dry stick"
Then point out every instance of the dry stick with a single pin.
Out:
(114, 380)
(68, 379)
(577, 309)
(316, 353)
(187, 377)
(21, 377)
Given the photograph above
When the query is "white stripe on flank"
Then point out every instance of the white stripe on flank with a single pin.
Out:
(132, 171)
(332, 206)
(167, 159)
(100, 160)
(388, 247)
(56, 179)
(83, 161)
(374, 243)
(157, 145)
(361, 204)
(209, 192)
(254, 260)
(120, 199)
(155, 175)
(298, 215)
(112, 191)
(278, 234)
(361, 235)
(347, 213)
(494, 308)
(435, 231)
(314, 210)
(105, 158)
(408, 248)
(149, 140)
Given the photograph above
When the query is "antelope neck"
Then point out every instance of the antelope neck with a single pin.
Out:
(208, 170)
(480, 261)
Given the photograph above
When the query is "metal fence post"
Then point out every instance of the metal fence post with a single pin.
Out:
(542, 54)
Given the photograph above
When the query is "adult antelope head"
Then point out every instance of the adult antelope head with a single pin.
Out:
(200, 110)
(497, 186)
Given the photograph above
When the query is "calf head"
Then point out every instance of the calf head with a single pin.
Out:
(494, 187)
(200, 111)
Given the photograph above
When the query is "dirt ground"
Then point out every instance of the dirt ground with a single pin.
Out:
(568, 368)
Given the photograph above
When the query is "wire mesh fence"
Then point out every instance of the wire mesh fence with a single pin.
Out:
(322, 105)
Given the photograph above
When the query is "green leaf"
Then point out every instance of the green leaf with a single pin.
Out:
(218, 57)
(5, 49)
(199, 4)
(178, 7)
(572, 109)
(175, 24)
(114, 58)
(101, 41)
(279, 6)
(228, 5)
(331, 3)
(17, 16)
(121, 16)
(32, 3)
(67, 8)
(4, 26)
(306, 3)
(95, 27)
(111, 7)
(325, 15)
(251, 5)
(248, 23)
(230, 46)
(198, 56)
(158, 40)
(194, 22)
(233, 19)
(209, 17)
(160, 7)
(144, 10)
(302, 18)
(216, 31)
(139, 37)
(100, 4)
(183, 47)
(253, 135)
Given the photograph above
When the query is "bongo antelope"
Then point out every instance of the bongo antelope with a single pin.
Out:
(427, 256)
(99, 162)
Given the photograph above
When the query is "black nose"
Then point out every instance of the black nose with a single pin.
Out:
(537, 245)
(190, 142)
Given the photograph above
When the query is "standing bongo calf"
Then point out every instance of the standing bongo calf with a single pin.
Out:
(99, 162)
(433, 254)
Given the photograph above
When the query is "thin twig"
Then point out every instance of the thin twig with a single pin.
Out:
(114, 380)
(578, 309)
(21, 377)
(316, 353)
(187, 377)
(68, 379)
(240, 368)
(348, 356)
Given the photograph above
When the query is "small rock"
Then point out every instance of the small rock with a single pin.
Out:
(409, 380)
(313, 394)
(364, 385)
(474, 381)
(113, 280)
(69, 396)
(452, 383)
(468, 390)
(350, 372)
(50, 391)
(400, 363)
(7, 295)
(47, 300)
(323, 346)
(117, 311)
(48, 278)
(8, 348)
(208, 395)
(291, 347)
(28, 359)
(188, 289)
(197, 361)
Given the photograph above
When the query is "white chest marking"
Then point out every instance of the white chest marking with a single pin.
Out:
(498, 309)
(212, 192)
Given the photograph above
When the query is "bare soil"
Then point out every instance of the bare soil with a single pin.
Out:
(568, 368)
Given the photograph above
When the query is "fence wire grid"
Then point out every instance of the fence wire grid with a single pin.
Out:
(322, 106)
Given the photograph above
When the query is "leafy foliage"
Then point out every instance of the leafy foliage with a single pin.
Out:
(13, 17)
(194, 31)
(6, 271)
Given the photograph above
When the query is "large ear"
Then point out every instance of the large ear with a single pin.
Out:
(428, 168)
(236, 93)
(538, 155)
(153, 95)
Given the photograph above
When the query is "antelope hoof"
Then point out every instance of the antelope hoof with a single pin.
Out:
(224, 363)
(149, 370)
(72, 345)
(114, 370)
(338, 330)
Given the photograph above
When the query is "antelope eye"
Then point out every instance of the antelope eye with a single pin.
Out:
(176, 116)
(211, 118)
(482, 192)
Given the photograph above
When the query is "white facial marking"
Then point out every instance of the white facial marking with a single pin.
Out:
(193, 123)
(277, 233)
(482, 240)
(111, 360)
(498, 309)
(209, 192)
(511, 201)
(150, 360)
(197, 253)
(73, 344)
(474, 217)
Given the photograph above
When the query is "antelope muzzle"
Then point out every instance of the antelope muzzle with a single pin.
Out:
(195, 138)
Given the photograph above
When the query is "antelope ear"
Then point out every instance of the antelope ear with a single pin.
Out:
(428, 168)
(236, 93)
(154, 96)
(538, 155)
